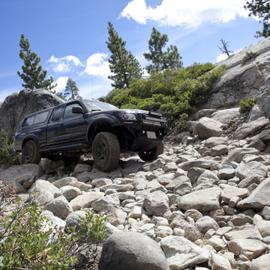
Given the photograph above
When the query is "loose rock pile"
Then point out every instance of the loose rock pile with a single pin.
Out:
(207, 204)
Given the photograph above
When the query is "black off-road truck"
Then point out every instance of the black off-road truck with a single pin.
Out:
(77, 127)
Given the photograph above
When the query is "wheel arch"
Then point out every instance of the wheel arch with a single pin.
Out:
(30, 138)
(99, 126)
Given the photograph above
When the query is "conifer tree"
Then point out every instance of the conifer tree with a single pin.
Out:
(71, 91)
(159, 57)
(123, 65)
(261, 10)
(33, 76)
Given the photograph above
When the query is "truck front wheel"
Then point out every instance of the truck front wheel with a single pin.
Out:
(30, 153)
(152, 154)
(106, 151)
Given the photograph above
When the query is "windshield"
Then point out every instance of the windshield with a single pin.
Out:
(95, 105)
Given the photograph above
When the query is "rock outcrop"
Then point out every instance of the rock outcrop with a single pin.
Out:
(244, 80)
(17, 105)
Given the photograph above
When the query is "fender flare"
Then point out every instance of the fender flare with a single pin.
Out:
(109, 123)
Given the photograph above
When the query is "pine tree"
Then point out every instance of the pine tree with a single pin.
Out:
(168, 59)
(260, 9)
(71, 91)
(33, 76)
(123, 65)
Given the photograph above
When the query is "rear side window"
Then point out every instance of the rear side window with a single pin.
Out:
(57, 114)
(28, 121)
(40, 117)
(35, 119)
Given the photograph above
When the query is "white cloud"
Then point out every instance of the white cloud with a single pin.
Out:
(95, 89)
(97, 65)
(190, 13)
(221, 57)
(61, 84)
(224, 56)
(64, 64)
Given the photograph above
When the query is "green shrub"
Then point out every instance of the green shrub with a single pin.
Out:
(8, 155)
(246, 105)
(248, 57)
(172, 92)
(182, 122)
(26, 242)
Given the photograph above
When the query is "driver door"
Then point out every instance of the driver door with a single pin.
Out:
(74, 125)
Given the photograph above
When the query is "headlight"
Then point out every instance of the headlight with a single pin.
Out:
(128, 116)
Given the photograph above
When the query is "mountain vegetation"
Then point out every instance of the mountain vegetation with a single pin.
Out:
(8, 155)
(71, 91)
(261, 10)
(28, 241)
(161, 59)
(32, 74)
(123, 65)
(175, 93)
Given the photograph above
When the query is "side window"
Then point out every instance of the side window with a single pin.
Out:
(68, 111)
(28, 121)
(41, 117)
(57, 114)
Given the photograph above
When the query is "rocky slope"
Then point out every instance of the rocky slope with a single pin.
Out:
(242, 81)
(205, 201)
(17, 105)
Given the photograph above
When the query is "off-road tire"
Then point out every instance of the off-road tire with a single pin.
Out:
(30, 153)
(106, 151)
(152, 154)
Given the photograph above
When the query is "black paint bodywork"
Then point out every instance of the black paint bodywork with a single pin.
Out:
(76, 134)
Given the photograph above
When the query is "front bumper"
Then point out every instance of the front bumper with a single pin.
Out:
(137, 137)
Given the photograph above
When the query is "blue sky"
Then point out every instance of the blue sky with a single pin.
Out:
(70, 35)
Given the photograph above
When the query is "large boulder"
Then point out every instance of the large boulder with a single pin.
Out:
(259, 198)
(251, 128)
(132, 251)
(226, 116)
(17, 105)
(251, 248)
(207, 127)
(20, 176)
(204, 200)
(182, 253)
(261, 263)
(253, 168)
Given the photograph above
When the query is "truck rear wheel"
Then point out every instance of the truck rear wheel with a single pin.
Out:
(30, 153)
(152, 154)
(106, 151)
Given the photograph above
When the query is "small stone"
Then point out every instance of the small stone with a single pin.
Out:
(60, 207)
(219, 262)
(156, 203)
(206, 223)
(163, 231)
(101, 182)
(85, 200)
(136, 212)
(70, 192)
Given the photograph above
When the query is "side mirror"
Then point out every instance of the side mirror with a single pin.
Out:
(78, 110)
